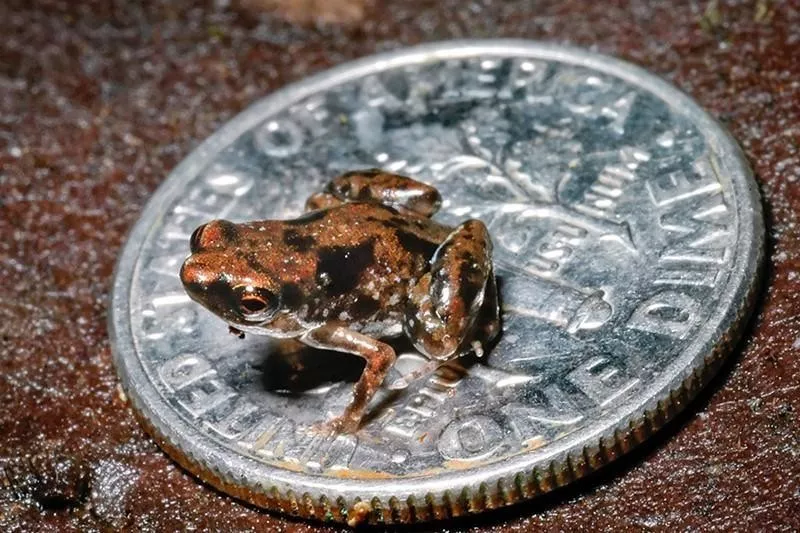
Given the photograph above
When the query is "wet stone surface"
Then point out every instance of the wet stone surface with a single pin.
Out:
(100, 100)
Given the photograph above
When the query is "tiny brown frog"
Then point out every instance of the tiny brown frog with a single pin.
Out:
(365, 262)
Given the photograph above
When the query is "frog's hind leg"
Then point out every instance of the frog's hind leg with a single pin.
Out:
(379, 357)
(487, 327)
(379, 187)
(447, 304)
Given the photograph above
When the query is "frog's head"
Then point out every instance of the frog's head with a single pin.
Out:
(221, 275)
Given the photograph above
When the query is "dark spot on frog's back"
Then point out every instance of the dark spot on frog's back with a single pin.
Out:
(229, 231)
(342, 266)
(416, 245)
(298, 241)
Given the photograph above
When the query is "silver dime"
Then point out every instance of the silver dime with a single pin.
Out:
(628, 236)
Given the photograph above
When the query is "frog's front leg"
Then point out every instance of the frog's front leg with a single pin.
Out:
(379, 356)
(376, 186)
(456, 298)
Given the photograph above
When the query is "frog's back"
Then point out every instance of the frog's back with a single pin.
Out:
(346, 251)
(371, 245)
(360, 259)
(397, 237)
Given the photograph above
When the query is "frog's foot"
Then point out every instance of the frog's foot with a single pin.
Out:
(343, 424)
(447, 305)
(379, 187)
(336, 426)
(379, 356)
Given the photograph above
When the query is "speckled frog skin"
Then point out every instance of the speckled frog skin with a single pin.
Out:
(364, 263)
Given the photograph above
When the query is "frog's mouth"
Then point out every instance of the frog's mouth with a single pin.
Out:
(266, 329)
(255, 330)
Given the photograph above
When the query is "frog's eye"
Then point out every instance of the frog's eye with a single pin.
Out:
(254, 303)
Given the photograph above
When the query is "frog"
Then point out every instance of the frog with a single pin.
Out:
(364, 263)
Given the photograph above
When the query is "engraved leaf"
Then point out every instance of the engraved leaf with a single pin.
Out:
(498, 169)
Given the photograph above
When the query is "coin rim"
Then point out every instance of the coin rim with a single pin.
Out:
(488, 485)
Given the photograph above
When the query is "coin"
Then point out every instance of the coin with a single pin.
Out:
(628, 236)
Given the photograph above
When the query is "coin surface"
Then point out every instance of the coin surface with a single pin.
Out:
(628, 236)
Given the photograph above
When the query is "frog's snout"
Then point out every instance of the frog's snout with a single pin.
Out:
(214, 234)
(193, 277)
(195, 241)
(198, 277)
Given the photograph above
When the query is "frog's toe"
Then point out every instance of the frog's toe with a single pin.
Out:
(336, 426)
(343, 424)
(398, 384)
(318, 428)
(477, 347)
(395, 380)
(420, 372)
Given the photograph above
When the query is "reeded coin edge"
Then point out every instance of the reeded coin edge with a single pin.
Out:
(500, 484)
